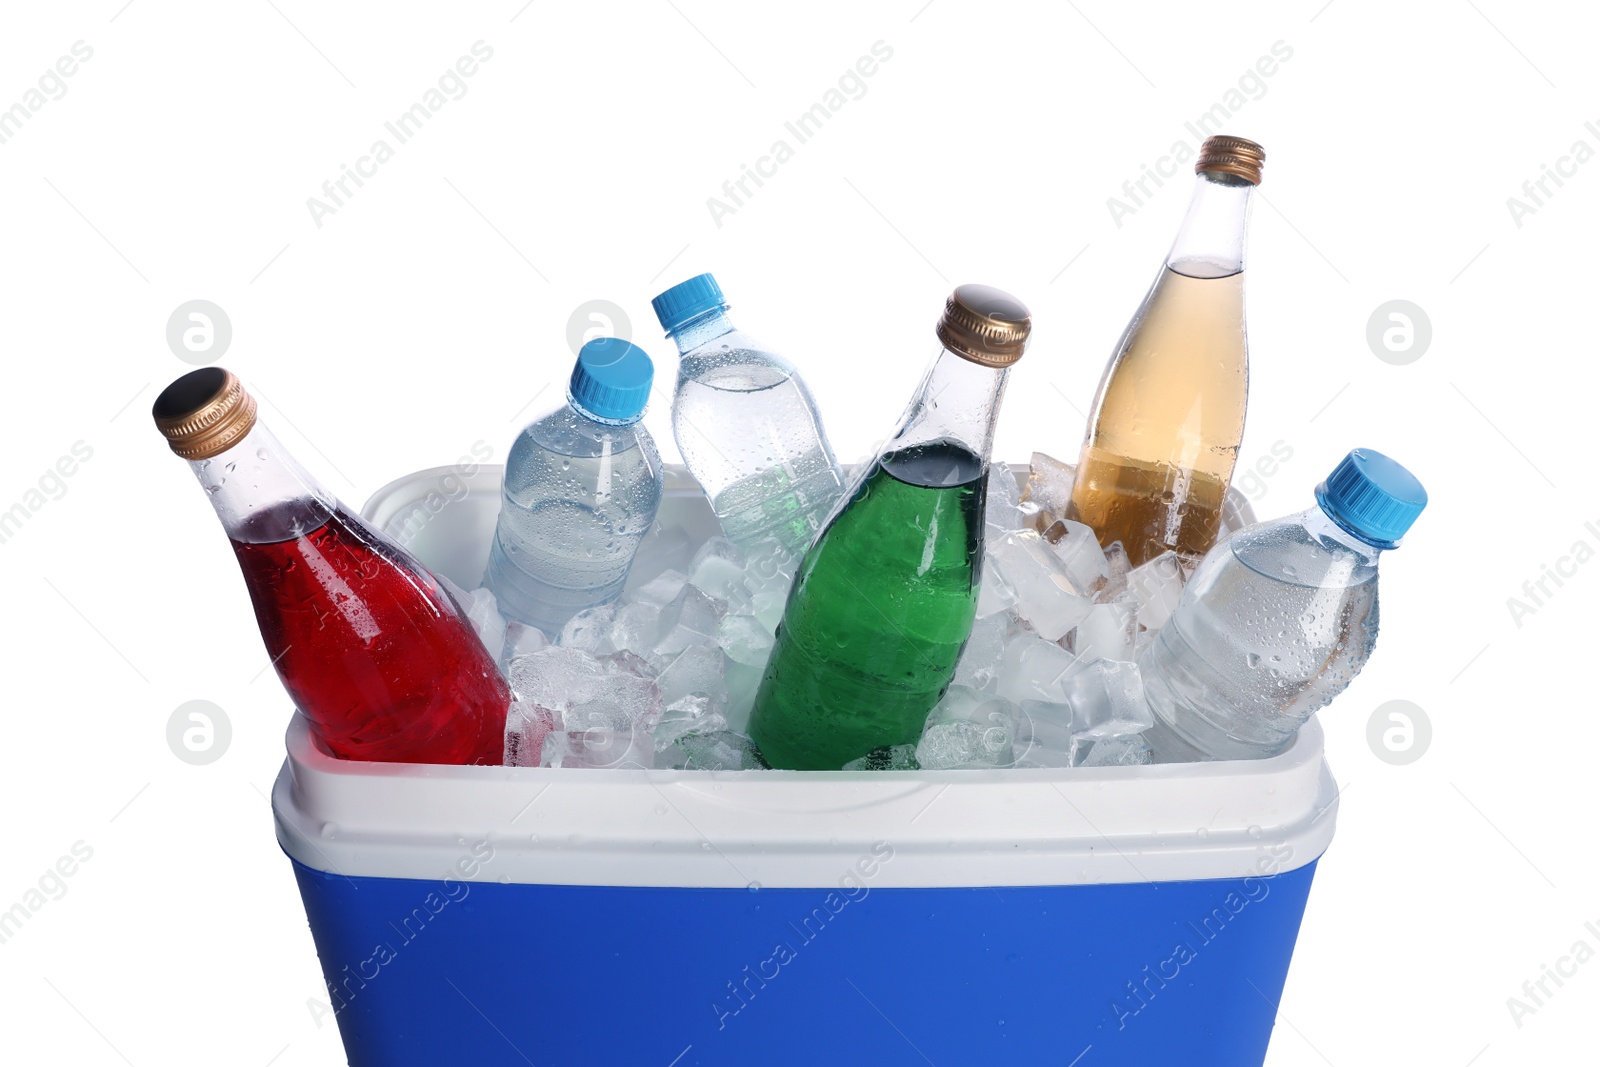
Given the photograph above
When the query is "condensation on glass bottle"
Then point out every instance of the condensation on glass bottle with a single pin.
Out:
(885, 598)
(1168, 419)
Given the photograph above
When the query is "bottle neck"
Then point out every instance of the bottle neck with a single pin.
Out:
(575, 406)
(1210, 243)
(260, 494)
(958, 402)
(1327, 530)
(697, 331)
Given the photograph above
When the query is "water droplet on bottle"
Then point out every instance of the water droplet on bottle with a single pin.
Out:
(261, 453)
(754, 887)
(1252, 660)
(329, 829)
(1203, 832)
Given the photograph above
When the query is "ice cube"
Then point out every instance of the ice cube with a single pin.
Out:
(1049, 483)
(767, 607)
(1040, 757)
(1107, 699)
(743, 682)
(1033, 669)
(718, 569)
(1044, 734)
(661, 590)
(1130, 751)
(696, 669)
(768, 565)
(691, 619)
(723, 751)
(1158, 586)
(1002, 499)
(744, 640)
(995, 594)
(1034, 517)
(1045, 597)
(616, 690)
(637, 628)
(979, 665)
(554, 676)
(616, 749)
(1107, 631)
(1117, 570)
(521, 640)
(1079, 552)
(527, 725)
(661, 549)
(692, 714)
(886, 758)
(967, 728)
(482, 612)
(628, 686)
(590, 629)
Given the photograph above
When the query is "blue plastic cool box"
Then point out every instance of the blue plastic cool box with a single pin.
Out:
(1081, 918)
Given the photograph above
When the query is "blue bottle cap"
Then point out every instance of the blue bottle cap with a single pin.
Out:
(611, 380)
(687, 300)
(1372, 497)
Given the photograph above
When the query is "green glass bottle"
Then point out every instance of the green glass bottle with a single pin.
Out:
(884, 600)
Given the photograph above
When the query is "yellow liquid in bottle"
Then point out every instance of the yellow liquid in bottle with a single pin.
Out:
(1165, 431)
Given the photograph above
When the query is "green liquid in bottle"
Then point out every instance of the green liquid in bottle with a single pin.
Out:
(881, 607)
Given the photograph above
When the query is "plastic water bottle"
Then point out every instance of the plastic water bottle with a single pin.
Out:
(746, 424)
(1278, 619)
(581, 489)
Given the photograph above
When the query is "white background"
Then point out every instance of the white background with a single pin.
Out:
(424, 314)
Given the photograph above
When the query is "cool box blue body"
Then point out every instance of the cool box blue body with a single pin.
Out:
(562, 976)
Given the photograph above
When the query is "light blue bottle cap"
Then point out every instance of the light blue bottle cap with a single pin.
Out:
(611, 380)
(687, 300)
(1372, 497)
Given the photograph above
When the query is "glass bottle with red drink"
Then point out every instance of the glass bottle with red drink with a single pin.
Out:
(379, 659)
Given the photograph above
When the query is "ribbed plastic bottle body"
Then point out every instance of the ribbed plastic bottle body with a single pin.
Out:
(579, 495)
(749, 432)
(1275, 623)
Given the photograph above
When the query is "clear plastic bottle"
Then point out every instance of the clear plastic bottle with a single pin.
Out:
(1278, 619)
(582, 486)
(746, 424)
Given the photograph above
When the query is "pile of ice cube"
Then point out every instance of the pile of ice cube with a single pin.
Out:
(663, 678)
(666, 676)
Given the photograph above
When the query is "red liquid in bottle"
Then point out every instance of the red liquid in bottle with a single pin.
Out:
(376, 655)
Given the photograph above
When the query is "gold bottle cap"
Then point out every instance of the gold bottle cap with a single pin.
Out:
(1232, 155)
(204, 413)
(985, 325)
